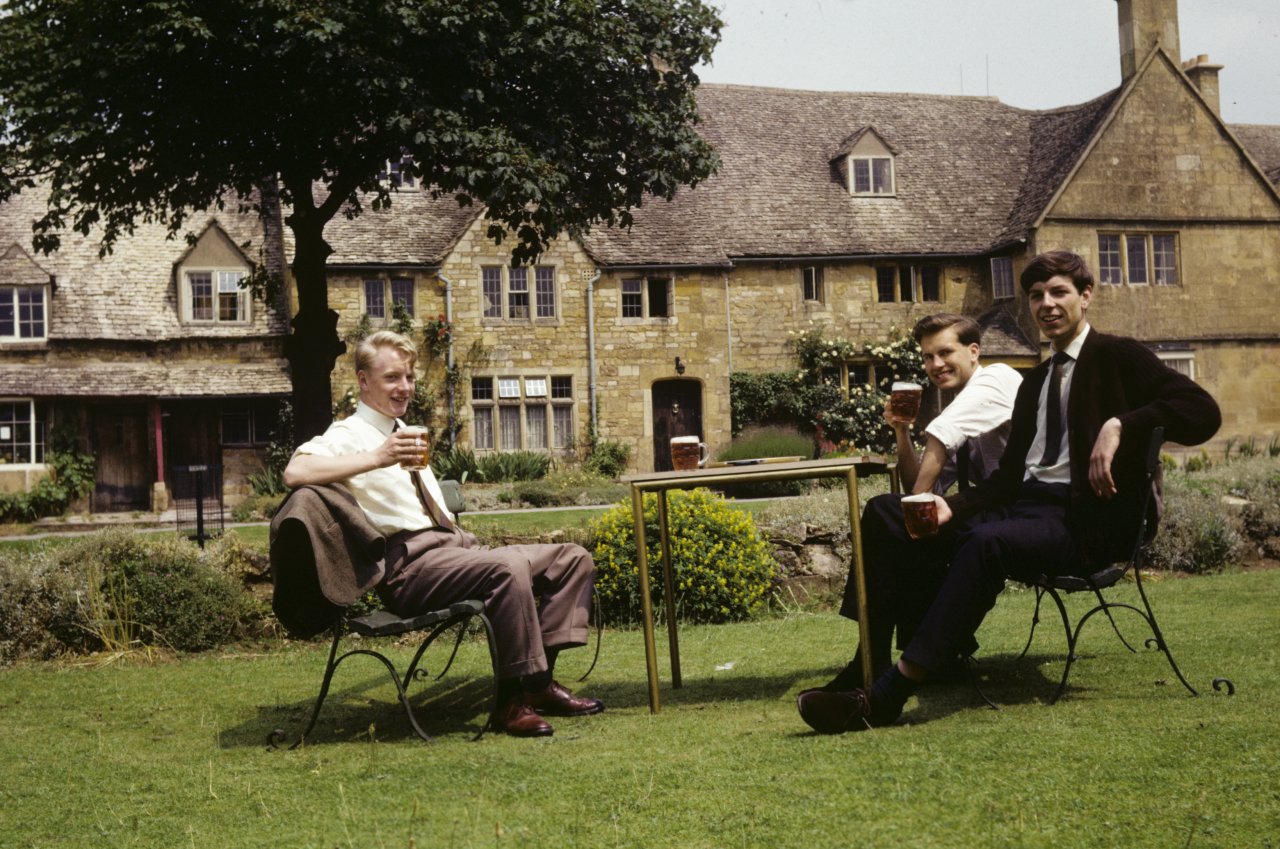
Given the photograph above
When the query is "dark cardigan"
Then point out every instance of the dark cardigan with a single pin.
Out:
(1115, 376)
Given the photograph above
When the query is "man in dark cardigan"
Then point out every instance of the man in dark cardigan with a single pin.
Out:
(1068, 492)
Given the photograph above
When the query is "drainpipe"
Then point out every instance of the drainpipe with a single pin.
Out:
(448, 357)
(728, 321)
(591, 348)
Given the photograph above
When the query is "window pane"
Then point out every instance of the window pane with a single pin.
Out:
(535, 431)
(882, 175)
(1165, 260)
(402, 294)
(491, 291)
(632, 299)
(1109, 267)
(562, 387)
(518, 293)
(812, 284)
(1002, 277)
(562, 426)
(535, 387)
(1137, 248)
(31, 312)
(859, 375)
(508, 387)
(884, 284)
(1183, 364)
(201, 286)
(266, 421)
(509, 427)
(482, 430)
(482, 388)
(659, 297)
(930, 283)
(230, 296)
(544, 281)
(236, 425)
(375, 304)
(861, 175)
(7, 324)
(906, 284)
(16, 427)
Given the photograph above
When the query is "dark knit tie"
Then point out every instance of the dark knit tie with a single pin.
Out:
(438, 516)
(1053, 412)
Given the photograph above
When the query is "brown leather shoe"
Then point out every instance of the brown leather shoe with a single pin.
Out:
(518, 719)
(557, 701)
(835, 713)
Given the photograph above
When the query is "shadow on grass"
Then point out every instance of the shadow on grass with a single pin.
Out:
(355, 709)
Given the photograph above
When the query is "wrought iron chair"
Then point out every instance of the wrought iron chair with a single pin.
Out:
(382, 623)
(1054, 585)
(309, 599)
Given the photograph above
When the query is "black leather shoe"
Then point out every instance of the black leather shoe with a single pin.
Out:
(835, 713)
(555, 700)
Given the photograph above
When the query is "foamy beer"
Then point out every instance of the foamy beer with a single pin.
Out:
(920, 513)
(422, 439)
(904, 399)
(687, 453)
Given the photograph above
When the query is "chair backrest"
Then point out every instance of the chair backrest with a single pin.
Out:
(1154, 490)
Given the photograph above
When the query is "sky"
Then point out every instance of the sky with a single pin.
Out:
(1036, 54)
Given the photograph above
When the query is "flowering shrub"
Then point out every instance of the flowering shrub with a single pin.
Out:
(723, 569)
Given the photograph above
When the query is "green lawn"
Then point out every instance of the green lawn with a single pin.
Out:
(172, 754)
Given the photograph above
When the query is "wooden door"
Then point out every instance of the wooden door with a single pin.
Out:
(677, 411)
(122, 480)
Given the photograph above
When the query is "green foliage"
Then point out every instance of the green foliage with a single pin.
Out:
(119, 589)
(458, 464)
(567, 488)
(723, 568)
(70, 477)
(767, 442)
(763, 399)
(505, 466)
(607, 457)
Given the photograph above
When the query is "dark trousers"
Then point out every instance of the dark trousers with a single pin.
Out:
(537, 596)
(936, 608)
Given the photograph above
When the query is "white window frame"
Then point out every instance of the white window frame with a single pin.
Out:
(1185, 361)
(532, 282)
(10, 298)
(812, 284)
(1002, 287)
(647, 284)
(1130, 243)
(876, 184)
(394, 176)
(524, 396)
(36, 444)
(218, 276)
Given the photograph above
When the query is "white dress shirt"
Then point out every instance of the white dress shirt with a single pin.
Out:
(979, 414)
(386, 495)
(1059, 472)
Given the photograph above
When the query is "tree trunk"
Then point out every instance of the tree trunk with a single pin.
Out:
(313, 346)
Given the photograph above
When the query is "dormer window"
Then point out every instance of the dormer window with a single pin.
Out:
(25, 289)
(209, 281)
(865, 162)
(399, 173)
(871, 175)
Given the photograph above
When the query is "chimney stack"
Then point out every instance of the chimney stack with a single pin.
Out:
(1205, 78)
(1143, 24)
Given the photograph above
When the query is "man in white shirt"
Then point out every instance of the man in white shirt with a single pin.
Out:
(537, 596)
(963, 445)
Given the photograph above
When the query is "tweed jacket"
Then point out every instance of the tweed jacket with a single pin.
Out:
(1115, 376)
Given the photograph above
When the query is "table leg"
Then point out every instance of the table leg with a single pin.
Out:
(646, 605)
(859, 575)
(669, 588)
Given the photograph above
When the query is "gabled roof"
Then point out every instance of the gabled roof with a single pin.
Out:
(1263, 143)
(969, 173)
(846, 147)
(1002, 337)
(130, 293)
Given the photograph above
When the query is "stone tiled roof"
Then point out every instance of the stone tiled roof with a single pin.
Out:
(129, 294)
(969, 171)
(148, 379)
(1263, 143)
(1002, 337)
(415, 230)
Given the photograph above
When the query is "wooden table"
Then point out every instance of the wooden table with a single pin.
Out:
(849, 468)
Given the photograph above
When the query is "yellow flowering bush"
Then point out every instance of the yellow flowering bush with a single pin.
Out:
(724, 570)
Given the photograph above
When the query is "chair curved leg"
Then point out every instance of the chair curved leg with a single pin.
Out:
(493, 659)
(1158, 636)
(1071, 642)
(599, 634)
(277, 736)
(1106, 607)
(1035, 620)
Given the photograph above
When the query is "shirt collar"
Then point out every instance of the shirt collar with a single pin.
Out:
(384, 424)
(1073, 350)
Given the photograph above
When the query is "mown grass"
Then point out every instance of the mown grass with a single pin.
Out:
(172, 754)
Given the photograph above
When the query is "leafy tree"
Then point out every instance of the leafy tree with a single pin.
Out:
(553, 114)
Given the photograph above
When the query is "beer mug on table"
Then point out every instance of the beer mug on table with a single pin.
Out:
(687, 453)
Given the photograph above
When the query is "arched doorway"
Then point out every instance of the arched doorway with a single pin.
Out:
(677, 411)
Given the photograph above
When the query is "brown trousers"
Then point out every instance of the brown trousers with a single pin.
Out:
(536, 596)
